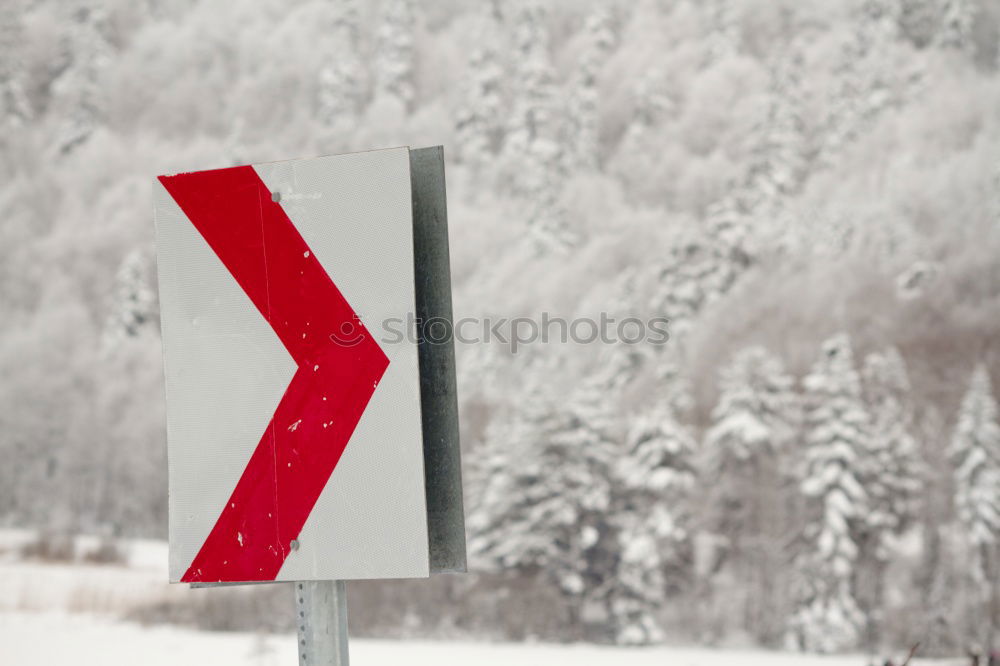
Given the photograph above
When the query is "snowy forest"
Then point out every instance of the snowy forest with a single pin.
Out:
(808, 190)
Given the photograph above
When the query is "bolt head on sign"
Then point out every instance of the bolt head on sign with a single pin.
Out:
(294, 428)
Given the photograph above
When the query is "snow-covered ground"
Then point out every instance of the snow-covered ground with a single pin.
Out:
(46, 638)
(67, 613)
(79, 587)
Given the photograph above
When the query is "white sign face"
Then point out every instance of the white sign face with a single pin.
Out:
(294, 431)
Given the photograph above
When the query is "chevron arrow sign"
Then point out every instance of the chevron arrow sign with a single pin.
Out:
(294, 425)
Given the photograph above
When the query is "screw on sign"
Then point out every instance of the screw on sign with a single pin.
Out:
(294, 453)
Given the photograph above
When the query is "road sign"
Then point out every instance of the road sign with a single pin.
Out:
(304, 441)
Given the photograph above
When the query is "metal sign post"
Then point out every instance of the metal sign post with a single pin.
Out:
(322, 622)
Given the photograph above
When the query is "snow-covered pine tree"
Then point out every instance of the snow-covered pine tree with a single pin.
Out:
(479, 116)
(15, 108)
(843, 100)
(835, 454)
(533, 155)
(895, 470)
(701, 266)
(395, 51)
(957, 18)
(755, 415)
(708, 263)
(341, 87)
(891, 480)
(752, 423)
(583, 128)
(776, 168)
(679, 293)
(975, 452)
(654, 477)
(549, 506)
(653, 515)
(133, 302)
(869, 76)
(778, 159)
(511, 437)
(78, 87)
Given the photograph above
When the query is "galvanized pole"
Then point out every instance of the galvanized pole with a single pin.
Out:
(322, 621)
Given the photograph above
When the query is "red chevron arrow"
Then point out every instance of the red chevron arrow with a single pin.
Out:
(299, 449)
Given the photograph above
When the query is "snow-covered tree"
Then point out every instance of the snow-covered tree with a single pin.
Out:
(653, 516)
(957, 20)
(341, 87)
(975, 451)
(583, 128)
(553, 514)
(550, 508)
(870, 76)
(514, 433)
(835, 455)
(680, 293)
(752, 423)
(892, 478)
(895, 469)
(701, 266)
(395, 51)
(133, 303)
(479, 117)
(755, 414)
(778, 161)
(533, 154)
